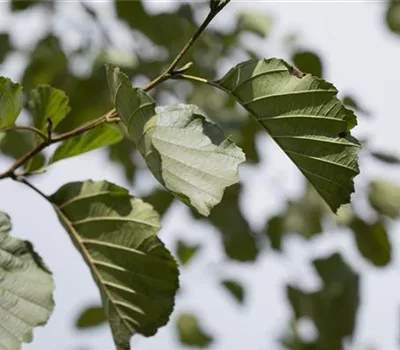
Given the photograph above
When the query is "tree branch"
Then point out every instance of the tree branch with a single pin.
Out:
(170, 71)
(110, 117)
(26, 128)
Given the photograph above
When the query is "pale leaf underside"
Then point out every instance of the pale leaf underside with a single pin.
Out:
(26, 288)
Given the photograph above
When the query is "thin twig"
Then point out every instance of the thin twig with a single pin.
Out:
(33, 187)
(169, 72)
(25, 128)
(108, 118)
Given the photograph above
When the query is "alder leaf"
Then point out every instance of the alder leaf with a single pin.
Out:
(306, 119)
(101, 136)
(186, 153)
(46, 102)
(117, 236)
(26, 289)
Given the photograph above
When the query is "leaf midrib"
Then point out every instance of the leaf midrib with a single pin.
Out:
(87, 256)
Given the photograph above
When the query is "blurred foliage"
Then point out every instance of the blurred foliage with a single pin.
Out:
(91, 316)
(157, 38)
(190, 331)
(235, 289)
(384, 197)
(308, 62)
(372, 241)
(333, 308)
(393, 16)
(186, 252)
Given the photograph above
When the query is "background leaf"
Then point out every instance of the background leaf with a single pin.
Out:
(305, 118)
(26, 287)
(5, 46)
(11, 101)
(91, 316)
(117, 236)
(235, 289)
(191, 333)
(372, 241)
(393, 16)
(333, 309)
(384, 197)
(46, 102)
(308, 62)
(254, 22)
(186, 252)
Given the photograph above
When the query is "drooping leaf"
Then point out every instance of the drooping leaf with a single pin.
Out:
(333, 309)
(308, 62)
(11, 101)
(187, 154)
(255, 22)
(384, 197)
(305, 118)
(5, 45)
(26, 289)
(386, 157)
(101, 136)
(90, 317)
(191, 333)
(186, 252)
(46, 102)
(117, 236)
(372, 241)
(393, 16)
(235, 289)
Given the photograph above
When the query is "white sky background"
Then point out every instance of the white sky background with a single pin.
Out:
(360, 57)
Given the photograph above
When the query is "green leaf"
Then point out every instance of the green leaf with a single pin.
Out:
(90, 317)
(372, 241)
(386, 157)
(187, 154)
(121, 153)
(161, 201)
(117, 236)
(305, 118)
(237, 237)
(190, 331)
(186, 252)
(11, 101)
(101, 136)
(235, 289)
(333, 308)
(255, 22)
(15, 144)
(5, 46)
(22, 5)
(275, 230)
(46, 102)
(393, 16)
(308, 62)
(26, 289)
(384, 197)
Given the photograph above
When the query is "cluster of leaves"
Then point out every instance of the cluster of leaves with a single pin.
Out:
(188, 154)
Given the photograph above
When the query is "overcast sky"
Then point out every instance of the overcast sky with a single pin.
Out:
(361, 57)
